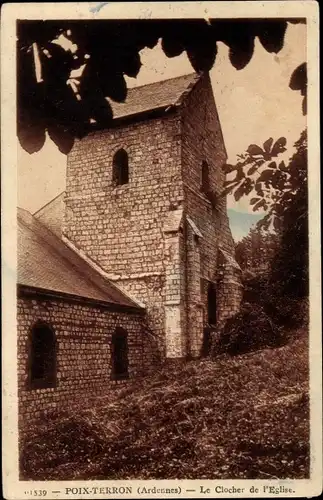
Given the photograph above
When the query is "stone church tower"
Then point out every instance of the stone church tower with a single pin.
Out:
(142, 203)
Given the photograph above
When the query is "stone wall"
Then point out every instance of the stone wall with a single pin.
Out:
(83, 335)
(175, 298)
(229, 292)
(202, 141)
(195, 305)
(121, 228)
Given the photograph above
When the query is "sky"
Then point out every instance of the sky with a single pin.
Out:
(253, 104)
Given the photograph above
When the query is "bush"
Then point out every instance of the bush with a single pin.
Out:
(288, 312)
(255, 287)
(249, 330)
(266, 318)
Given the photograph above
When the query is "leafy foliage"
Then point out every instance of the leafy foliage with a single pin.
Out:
(240, 417)
(249, 330)
(298, 81)
(257, 249)
(289, 271)
(109, 50)
(268, 315)
(276, 265)
(276, 186)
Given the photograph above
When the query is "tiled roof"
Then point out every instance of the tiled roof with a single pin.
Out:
(153, 96)
(45, 262)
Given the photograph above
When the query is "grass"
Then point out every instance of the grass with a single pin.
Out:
(240, 417)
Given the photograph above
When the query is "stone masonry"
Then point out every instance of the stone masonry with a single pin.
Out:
(83, 335)
(162, 237)
(202, 141)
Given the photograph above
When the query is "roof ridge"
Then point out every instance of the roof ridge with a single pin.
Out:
(194, 73)
(48, 203)
(188, 89)
(98, 269)
(155, 98)
(70, 257)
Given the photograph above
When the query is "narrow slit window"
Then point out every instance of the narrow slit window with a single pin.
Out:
(211, 304)
(119, 352)
(42, 367)
(205, 177)
(120, 168)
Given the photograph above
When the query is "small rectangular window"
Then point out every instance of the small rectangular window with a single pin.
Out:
(42, 360)
(119, 354)
(205, 177)
(120, 173)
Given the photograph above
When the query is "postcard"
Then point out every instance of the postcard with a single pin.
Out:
(161, 250)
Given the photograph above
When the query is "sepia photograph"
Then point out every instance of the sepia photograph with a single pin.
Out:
(163, 250)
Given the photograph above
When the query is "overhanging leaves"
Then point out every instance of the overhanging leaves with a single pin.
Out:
(279, 146)
(272, 34)
(110, 50)
(61, 137)
(260, 205)
(255, 150)
(253, 169)
(298, 81)
(227, 168)
(277, 187)
(268, 144)
(31, 137)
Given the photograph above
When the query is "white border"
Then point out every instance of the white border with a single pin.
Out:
(15, 489)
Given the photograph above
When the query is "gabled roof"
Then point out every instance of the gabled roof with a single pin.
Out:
(46, 263)
(194, 227)
(154, 96)
(229, 259)
(51, 214)
(173, 220)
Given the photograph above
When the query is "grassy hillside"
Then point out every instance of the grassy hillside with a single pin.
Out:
(236, 417)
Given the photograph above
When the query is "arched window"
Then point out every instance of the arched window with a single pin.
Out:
(120, 173)
(42, 359)
(119, 353)
(205, 177)
(211, 304)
